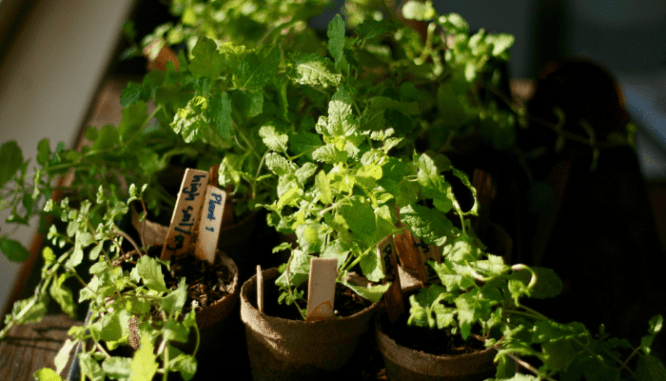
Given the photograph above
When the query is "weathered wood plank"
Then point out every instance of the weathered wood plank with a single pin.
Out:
(30, 347)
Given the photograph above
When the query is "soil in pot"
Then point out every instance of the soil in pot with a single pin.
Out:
(286, 349)
(453, 359)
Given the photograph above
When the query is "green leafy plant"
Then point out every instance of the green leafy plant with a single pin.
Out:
(478, 297)
(119, 298)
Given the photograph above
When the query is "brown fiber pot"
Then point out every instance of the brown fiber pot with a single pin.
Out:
(404, 363)
(283, 349)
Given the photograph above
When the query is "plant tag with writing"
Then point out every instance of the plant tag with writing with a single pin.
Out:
(321, 289)
(186, 213)
(429, 253)
(210, 223)
(393, 296)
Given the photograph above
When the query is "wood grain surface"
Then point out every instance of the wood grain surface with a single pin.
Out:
(30, 347)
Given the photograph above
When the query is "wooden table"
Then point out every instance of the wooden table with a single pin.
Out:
(30, 347)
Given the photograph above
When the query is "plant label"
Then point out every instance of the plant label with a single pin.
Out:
(429, 253)
(393, 296)
(186, 213)
(210, 223)
(260, 289)
(321, 289)
(410, 256)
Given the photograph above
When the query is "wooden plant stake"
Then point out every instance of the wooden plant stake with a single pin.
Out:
(393, 296)
(260, 289)
(186, 213)
(410, 255)
(210, 223)
(321, 289)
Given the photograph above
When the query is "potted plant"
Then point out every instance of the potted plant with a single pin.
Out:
(144, 317)
(474, 314)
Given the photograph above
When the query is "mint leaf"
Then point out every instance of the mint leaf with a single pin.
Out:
(133, 119)
(46, 374)
(371, 267)
(13, 249)
(220, 114)
(63, 295)
(190, 121)
(90, 367)
(310, 237)
(176, 299)
(151, 273)
(118, 368)
(314, 70)
(303, 142)
(207, 61)
(299, 269)
(372, 293)
(144, 365)
(360, 217)
(429, 225)
(323, 185)
(253, 73)
(185, 364)
(415, 10)
(649, 368)
(427, 310)
(61, 359)
(11, 158)
(43, 152)
(248, 103)
(175, 331)
(274, 140)
(336, 38)
(329, 154)
(338, 250)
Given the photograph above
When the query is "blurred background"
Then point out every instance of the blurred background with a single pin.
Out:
(59, 65)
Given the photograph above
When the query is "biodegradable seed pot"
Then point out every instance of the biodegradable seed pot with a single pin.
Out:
(403, 363)
(283, 349)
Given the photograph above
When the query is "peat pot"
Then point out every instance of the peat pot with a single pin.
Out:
(404, 363)
(284, 349)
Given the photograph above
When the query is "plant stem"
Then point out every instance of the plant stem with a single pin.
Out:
(165, 376)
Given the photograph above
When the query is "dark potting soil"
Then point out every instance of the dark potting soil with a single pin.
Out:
(346, 303)
(434, 341)
(206, 283)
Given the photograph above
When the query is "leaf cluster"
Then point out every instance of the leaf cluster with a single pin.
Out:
(122, 302)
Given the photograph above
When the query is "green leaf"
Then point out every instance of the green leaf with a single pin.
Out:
(175, 300)
(118, 368)
(13, 249)
(248, 103)
(144, 365)
(338, 250)
(151, 273)
(302, 142)
(113, 326)
(299, 269)
(559, 354)
(336, 38)
(656, 324)
(506, 367)
(454, 276)
(175, 331)
(310, 237)
(429, 225)
(43, 152)
(132, 122)
(63, 295)
(360, 217)
(290, 197)
(61, 359)
(90, 367)
(650, 368)
(254, 73)
(26, 311)
(329, 154)
(49, 255)
(371, 28)
(427, 310)
(220, 114)
(278, 164)
(314, 70)
(415, 10)
(207, 61)
(305, 172)
(372, 293)
(11, 158)
(185, 364)
(548, 284)
(47, 374)
(274, 140)
(323, 185)
(371, 266)
(191, 120)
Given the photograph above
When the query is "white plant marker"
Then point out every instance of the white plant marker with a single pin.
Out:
(210, 223)
(260, 289)
(321, 289)
(392, 296)
(186, 213)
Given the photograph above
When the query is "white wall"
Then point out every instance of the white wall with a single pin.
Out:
(48, 79)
